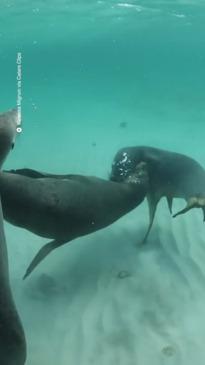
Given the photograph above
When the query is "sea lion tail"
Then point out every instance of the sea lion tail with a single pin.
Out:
(194, 202)
(42, 253)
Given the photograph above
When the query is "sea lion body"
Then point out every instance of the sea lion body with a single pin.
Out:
(8, 125)
(64, 209)
(12, 338)
(171, 175)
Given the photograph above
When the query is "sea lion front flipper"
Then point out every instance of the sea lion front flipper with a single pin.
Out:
(42, 253)
(152, 204)
(169, 202)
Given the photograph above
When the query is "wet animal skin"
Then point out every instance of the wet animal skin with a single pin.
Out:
(67, 207)
(12, 338)
(171, 175)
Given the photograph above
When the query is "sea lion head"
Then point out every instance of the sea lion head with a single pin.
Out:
(139, 175)
(124, 165)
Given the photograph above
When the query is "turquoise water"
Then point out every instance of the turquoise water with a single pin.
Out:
(97, 76)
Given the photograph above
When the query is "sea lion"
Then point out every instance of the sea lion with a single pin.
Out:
(66, 208)
(8, 125)
(171, 175)
(12, 339)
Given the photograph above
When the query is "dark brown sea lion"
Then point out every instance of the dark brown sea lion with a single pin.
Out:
(171, 175)
(66, 208)
(12, 339)
(8, 125)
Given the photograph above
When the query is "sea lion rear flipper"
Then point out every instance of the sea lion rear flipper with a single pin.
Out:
(42, 253)
(186, 209)
(193, 202)
(152, 203)
(169, 202)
